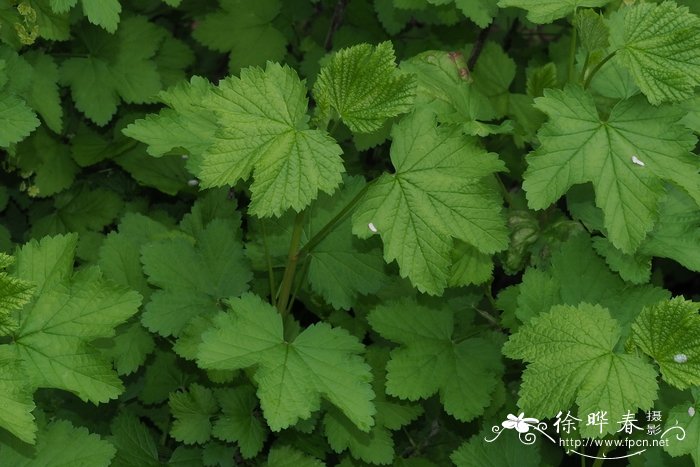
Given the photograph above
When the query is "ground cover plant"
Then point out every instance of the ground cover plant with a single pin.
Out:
(349, 232)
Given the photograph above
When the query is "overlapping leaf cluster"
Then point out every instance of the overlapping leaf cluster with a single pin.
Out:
(238, 232)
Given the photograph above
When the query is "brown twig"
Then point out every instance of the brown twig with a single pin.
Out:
(478, 47)
(336, 21)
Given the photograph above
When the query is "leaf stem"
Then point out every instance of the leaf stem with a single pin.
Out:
(572, 54)
(597, 68)
(270, 272)
(328, 228)
(292, 260)
(585, 67)
(300, 279)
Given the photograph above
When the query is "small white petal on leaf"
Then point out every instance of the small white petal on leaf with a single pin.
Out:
(635, 160)
(372, 227)
(680, 358)
(691, 411)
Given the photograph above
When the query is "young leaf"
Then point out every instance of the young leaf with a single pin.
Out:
(669, 332)
(546, 11)
(465, 371)
(264, 131)
(661, 48)
(439, 192)
(571, 358)
(251, 38)
(626, 156)
(291, 376)
(363, 85)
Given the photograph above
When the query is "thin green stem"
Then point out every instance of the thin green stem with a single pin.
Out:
(585, 67)
(572, 54)
(597, 68)
(599, 457)
(328, 228)
(504, 190)
(300, 280)
(270, 272)
(583, 461)
(292, 260)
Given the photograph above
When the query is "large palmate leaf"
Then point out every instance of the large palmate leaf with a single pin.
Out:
(431, 360)
(439, 192)
(626, 156)
(264, 131)
(291, 376)
(571, 358)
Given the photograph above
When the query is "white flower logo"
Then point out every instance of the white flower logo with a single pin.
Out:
(521, 423)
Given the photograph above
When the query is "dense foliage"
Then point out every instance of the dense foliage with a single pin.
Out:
(348, 232)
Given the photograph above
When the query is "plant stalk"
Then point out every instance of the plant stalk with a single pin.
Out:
(326, 229)
(597, 68)
(292, 260)
(572, 54)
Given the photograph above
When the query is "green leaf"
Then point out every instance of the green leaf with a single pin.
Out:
(506, 451)
(61, 444)
(439, 192)
(445, 85)
(363, 85)
(54, 335)
(44, 96)
(193, 410)
(592, 30)
(661, 49)
(571, 358)
(377, 445)
(193, 276)
(134, 442)
(431, 360)
(481, 12)
(104, 13)
(119, 256)
(14, 294)
(238, 422)
(17, 120)
(129, 348)
(632, 268)
(186, 123)
(251, 37)
(291, 376)
(285, 456)
(546, 11)
(669, 332)
(16, 397)
(684, 416)
(49, 161)
(264, 131)
(122, 66)
(626, 156)
(78, 210)
(340, 268)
